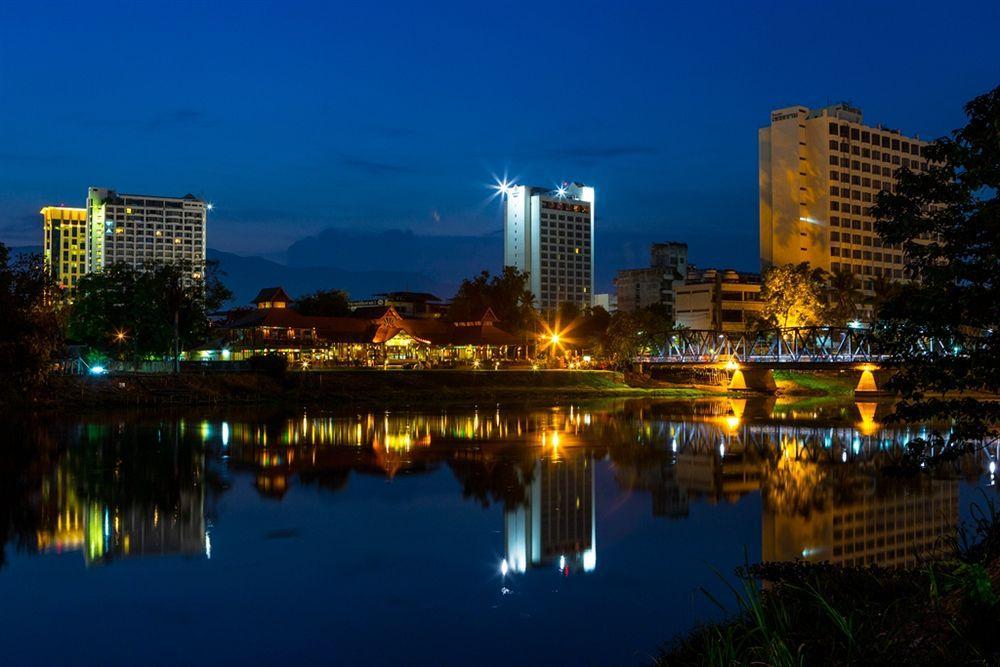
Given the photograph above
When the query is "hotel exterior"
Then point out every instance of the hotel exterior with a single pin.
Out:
(549, 234)
(145, 230)
(65, 244)
(819, 173)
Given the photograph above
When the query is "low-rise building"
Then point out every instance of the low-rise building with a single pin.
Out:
(371, 335)
(641, 288)
(721, 300)
(407, 304)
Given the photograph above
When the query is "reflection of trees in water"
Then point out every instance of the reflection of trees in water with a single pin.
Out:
(26, 456)
(501, 479)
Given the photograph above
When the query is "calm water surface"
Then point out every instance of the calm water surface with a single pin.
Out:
(570, 534)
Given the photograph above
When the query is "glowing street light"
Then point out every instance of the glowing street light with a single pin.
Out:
(120, 336)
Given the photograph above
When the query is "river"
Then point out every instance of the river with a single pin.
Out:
(580, 533)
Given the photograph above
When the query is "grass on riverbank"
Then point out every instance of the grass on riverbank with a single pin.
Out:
(944, 612)
(351, 387)
(815, 383)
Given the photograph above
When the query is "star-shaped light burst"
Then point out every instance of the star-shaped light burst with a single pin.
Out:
(556, 337)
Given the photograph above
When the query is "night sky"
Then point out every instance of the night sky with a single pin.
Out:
(294, 117)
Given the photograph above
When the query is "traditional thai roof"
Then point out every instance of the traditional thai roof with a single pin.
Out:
(270, 295)
(376, 324)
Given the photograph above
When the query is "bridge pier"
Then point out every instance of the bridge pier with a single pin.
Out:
(872, 381)
(753, 379)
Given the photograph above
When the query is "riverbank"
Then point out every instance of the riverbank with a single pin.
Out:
(350, 387)
(942, 612)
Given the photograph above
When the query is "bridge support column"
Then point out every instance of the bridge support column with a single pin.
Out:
(753, 379)
(872, 381)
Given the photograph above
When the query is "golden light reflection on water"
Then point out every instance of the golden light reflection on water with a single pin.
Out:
(816, 474)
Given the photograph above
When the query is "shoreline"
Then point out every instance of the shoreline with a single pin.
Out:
(347, 387)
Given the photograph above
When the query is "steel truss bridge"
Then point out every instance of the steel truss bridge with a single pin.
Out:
(793, 345)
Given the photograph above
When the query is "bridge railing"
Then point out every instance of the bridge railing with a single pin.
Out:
(787, 345)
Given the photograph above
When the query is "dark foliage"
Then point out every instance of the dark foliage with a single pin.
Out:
(325, 303)
(507, 294)
(947, 219)
(30, 329)
(134, 315)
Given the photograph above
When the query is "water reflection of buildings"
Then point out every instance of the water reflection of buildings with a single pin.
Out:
(894, 528)
(557, 522)
(106, 523)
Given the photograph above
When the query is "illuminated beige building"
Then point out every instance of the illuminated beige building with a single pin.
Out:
(894, 528)
(819, 173)
(65, 244)
(718, 300)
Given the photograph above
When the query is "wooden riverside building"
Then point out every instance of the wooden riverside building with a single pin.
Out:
(370, 336)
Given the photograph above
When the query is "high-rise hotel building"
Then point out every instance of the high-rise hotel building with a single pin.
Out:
(549, 234)
(144, 230)
(820, 170)
(64, 244)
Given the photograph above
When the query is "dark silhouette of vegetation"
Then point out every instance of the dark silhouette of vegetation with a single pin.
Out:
(947, 219)
(30, 326)
(798, 613)
(325, 303)
(507, 294)
(629, 335)
(135, 315)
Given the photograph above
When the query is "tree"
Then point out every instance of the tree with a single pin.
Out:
(629, 335)
(844, 298)
(792, 296)
(507, 294)
(947, 220)
(30, 325)
(325, 303)
(883, 290)
(135, 315)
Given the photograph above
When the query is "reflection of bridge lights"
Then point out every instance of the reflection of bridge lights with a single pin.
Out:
(504, 568)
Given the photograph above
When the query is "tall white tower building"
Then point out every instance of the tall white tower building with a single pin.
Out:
(549, 234)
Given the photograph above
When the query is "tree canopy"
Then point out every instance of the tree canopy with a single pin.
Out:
(30, 328)
(325, 303)
(792, 296)
(507, 294)
(947, 219)
(134, 315)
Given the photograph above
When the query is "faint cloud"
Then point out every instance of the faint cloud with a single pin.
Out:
(374, 168)
(600, 152)
(174, 118)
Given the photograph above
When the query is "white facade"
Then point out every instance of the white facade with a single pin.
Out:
(144, 230)
(549, 234)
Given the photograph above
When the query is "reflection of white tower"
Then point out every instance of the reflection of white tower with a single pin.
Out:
(557, 523)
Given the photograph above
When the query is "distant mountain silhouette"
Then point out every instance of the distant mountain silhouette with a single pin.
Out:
(366, 262)
(447, 258)
(452, 258)
(245, 276)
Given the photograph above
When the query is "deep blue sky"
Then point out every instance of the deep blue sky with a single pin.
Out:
(296, 116)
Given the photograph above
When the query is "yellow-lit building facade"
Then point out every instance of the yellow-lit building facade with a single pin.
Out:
(65, 244)
(894, 528)
(819, 173)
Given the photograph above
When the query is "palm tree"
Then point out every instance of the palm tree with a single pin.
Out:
(844, 297)
(883, 289)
